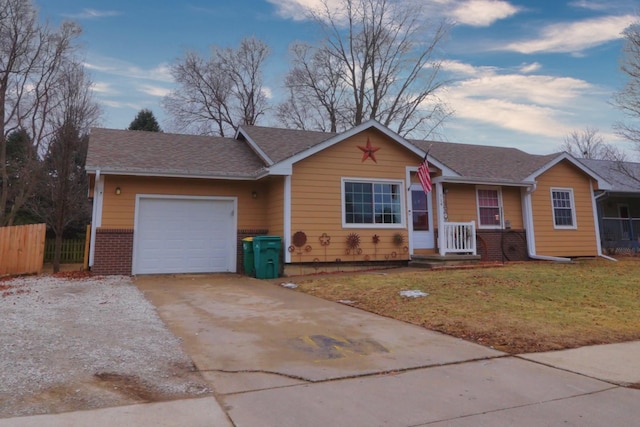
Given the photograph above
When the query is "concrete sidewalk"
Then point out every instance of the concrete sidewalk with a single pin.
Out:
(501, 391)
(205, 412)
(614, 363)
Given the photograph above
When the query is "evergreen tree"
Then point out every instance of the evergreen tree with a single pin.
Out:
(145, 120)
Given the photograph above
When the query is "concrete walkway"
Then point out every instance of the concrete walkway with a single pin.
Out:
(277, 357)
(614, 363)
(203, 412)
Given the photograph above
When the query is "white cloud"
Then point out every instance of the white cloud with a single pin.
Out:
(479, 13)
(539, 105)
(460, 68)
(538, 89)
(119, 104)
(530, 68)
(526, 118)
(298, 10)
(113, 66)
(92, 14)
(482, 13)
(608, 6)
(267, 92)
(154, 90)
(103, 88)
(574, 37)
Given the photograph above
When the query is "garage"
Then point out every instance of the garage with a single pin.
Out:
(175, 234)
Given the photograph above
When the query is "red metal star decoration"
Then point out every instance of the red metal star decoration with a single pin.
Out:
(369, 151)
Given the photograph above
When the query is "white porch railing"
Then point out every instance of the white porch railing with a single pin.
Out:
(458, 237)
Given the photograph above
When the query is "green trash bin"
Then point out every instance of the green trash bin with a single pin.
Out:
(249, 261)
(266, 253)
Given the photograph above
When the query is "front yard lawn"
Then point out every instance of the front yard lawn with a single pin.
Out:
(517, 308)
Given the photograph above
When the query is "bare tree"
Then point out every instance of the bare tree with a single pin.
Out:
(589, 144)
(61, 197)
(628, 99)
(31, 57)
(216, 95)
(377, 61)
(316, 94)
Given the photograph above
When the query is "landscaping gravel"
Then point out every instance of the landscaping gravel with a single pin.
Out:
(69, 344)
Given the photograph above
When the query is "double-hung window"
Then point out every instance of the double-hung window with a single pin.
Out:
(489, 207)
(372, 203)
(564, 212)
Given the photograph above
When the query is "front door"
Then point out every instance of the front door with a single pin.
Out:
(421, 217)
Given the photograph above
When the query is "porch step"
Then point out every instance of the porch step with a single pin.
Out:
(439, 261)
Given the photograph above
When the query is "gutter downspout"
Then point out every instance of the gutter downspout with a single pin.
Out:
(594, 203)
(531, 241)
(96, 214)
(441, 219)
(287, 219)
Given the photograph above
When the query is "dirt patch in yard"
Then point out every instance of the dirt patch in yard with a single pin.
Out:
(76, 342)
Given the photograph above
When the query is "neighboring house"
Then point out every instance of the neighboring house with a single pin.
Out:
(166, 203)
(618, 206)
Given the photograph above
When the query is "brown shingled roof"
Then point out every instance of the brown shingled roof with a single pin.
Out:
(481, 161)
(191, 155)
(280, 144)
(470, 161)
(142, 152)
(623, 176)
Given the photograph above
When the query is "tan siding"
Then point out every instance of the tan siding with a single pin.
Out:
(512, 206)
(558, 242)
(275, 208)
(462, 205)
(118, 210)
(317, 204)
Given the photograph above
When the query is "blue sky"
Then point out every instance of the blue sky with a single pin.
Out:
(524, 73)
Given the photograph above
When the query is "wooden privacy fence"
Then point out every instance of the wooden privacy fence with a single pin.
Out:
(72, 251)
(22, 249)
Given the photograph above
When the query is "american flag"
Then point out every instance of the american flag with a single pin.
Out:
(423, 174)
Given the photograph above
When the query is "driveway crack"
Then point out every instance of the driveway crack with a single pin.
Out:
(559, 399)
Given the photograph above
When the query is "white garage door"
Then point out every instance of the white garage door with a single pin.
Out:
(178, 235)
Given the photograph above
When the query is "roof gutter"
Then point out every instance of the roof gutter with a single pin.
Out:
(481, 181)
(99, 171)
(531, 242)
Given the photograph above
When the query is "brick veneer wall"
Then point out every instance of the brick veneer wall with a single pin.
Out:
(113, 251)
(502, 245)
(243, 233)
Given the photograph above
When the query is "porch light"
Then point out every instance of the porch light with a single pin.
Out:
(118, 191)
(254, 194)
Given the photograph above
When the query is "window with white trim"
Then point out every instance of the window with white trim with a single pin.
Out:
(374, 203)
(563, 205)
(489, 207)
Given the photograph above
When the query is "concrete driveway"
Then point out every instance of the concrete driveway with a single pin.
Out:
(277, 357)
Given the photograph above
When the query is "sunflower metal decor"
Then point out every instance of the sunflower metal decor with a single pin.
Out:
(398, 239)
(299, 238)
(353, 240)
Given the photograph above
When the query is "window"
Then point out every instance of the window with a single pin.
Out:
(489, 207)
(564, 215)
(377, 203)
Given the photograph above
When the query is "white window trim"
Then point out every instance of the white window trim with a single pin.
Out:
(401, 193)
(499, 191)
(573, 209)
